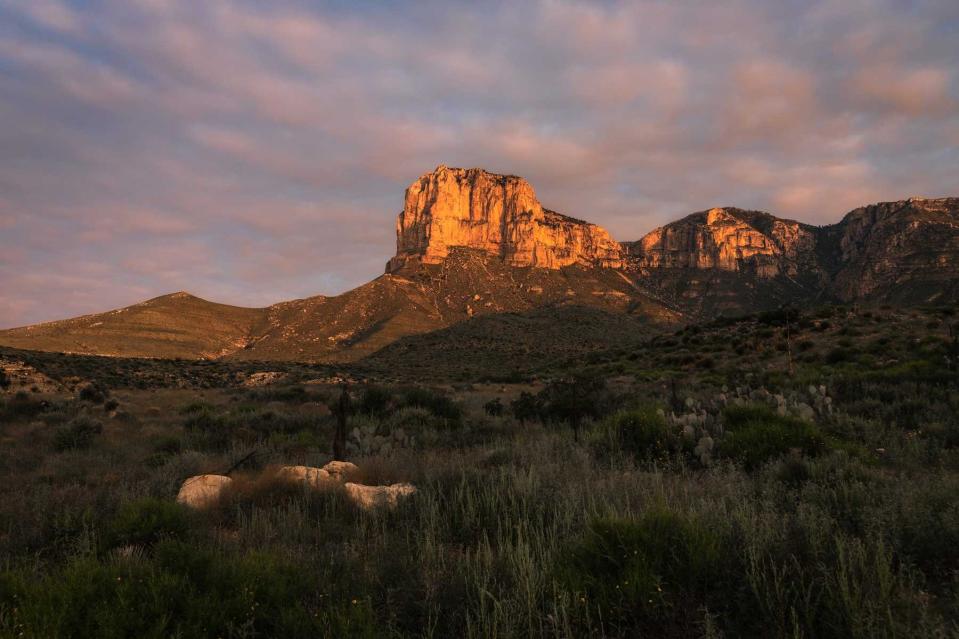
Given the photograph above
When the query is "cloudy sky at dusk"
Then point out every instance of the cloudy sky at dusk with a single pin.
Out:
(251, 152)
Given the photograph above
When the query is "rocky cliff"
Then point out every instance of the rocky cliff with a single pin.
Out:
(466, 230)
(898, 252)
(728, 239)
(498, 215)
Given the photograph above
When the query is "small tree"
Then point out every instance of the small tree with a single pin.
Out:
(526, 407)
(574, 399)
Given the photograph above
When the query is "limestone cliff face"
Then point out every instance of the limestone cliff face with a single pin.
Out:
(906, 251)
(728, 239)
(496, 214)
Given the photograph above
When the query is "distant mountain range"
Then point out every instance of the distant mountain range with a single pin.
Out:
(473, 243)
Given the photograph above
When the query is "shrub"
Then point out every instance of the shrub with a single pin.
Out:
(647, 574)
(93, 393)
(213, 430)
(573, 399)
(436, 403)
(146, 521)
(4, 379)
(374, 400)
(79, 433)
(756, 434)
(642, 432)
(493, 407)
(526, 407)
(839, 355)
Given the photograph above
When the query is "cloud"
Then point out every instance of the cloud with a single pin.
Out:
(250, 152)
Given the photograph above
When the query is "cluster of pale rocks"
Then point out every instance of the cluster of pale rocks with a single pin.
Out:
(700, 421)
(203, 491)
(365, 441)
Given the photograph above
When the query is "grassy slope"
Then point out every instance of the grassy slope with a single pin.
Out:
(176, 325)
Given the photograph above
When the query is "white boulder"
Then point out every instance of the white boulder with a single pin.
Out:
(202, 491)
(370, 497)
(312, 477)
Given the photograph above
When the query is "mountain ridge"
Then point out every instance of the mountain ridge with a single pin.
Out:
(473, 243)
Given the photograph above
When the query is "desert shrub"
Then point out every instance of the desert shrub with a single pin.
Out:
(641, 432)
(78, 433)
(651, 574)
(196, 407)
(21, 406)
(494, 407)
(374, 400)
(290, 394)
(181, 591)
(211, 431)
(526, 407)
(573, 399)
(437, 403)
(111, 404)
(93, 393)
(838, 355)
(756, 434)
(146, 521)
(266, 422)
(410, 419)
(4, 379)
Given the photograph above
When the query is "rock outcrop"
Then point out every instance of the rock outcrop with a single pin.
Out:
(496, 214)
(202, 491)
(899, 252)
(729, 239)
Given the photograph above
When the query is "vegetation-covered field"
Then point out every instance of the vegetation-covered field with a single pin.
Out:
(782, 475)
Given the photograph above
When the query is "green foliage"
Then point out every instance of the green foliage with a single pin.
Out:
(437, 403)
(79, 433)
(211, 431)
(180, 591)
(641, 432)
(146, 521)
(374, 400)
(650, 574)
(93, 393)
(22, 406)
(494, 407)
(756, 434)
(526, 407)
(573, 399)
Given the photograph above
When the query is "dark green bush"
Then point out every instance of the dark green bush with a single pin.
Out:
(573, 399)
(212, 431)
(77, 434)
(146, 521)
(756, 434)
(526, 407)
(93, 393)
(181, 591)
(650, 574)
(641, 432)
(493, 407)
(435, 402)
(374, 400)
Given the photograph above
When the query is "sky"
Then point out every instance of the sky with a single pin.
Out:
(251, 152)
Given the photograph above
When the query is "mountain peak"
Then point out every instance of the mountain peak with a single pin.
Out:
(497, 214)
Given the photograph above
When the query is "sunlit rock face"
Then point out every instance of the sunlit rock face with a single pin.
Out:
(497, 214)
(729, 239)
(905, 251)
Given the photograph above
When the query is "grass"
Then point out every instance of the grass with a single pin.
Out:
(845, 525)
